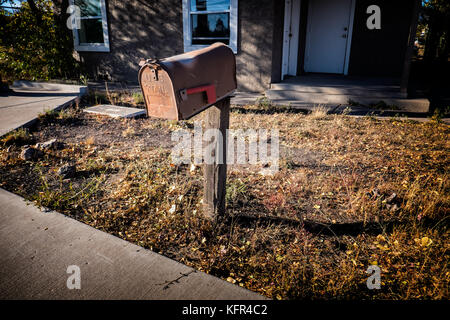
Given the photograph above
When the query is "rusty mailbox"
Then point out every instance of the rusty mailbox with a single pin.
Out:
(181, 86)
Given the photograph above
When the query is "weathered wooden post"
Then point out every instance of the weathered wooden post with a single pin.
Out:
(215, 174)
(182, 86)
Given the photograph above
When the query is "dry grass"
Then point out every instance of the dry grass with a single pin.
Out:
(309, 231)
(318, 112)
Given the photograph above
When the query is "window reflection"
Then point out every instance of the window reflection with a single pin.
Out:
(211, 25)
(89, 8)
(210, 21)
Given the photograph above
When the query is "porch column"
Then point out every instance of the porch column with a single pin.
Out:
(410, 48)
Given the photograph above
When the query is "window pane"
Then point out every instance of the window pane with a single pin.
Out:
(215, 25)
(210, 41)
(210, 5)
(89, 8)
(91, 31)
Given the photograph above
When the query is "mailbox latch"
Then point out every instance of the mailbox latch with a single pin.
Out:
(210, 90)
(154, 74)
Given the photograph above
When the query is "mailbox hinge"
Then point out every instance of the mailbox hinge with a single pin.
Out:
(209, 89)
(153, 65)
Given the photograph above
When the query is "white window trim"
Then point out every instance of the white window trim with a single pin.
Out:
(187, 32)
(97, 47)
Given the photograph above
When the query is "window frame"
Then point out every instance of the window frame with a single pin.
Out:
(95, 47)
(187, 26)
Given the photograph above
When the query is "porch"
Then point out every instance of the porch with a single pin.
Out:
(328, 90)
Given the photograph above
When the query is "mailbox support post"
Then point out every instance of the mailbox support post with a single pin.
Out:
(215, 175)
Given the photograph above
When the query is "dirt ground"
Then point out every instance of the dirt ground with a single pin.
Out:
(350, 193)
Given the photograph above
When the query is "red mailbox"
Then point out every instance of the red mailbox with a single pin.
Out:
(181, 86)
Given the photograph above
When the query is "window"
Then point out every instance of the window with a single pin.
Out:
(92, 34)
(209, 21)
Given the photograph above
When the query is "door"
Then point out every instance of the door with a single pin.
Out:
(328, 36)
(290, 37)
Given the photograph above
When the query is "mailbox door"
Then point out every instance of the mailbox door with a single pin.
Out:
(214, 65)
(181, 86)
(157, 89)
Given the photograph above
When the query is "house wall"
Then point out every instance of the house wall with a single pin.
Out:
(380, 52)
(255, 40)
(137, 29)
(154, 29)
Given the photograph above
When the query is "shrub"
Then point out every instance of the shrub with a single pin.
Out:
(35, 44)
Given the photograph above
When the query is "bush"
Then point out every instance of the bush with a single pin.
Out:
(35, 44)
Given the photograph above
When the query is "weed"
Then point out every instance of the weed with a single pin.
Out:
(236, 189)
(20, 136)
(318, 112)
(67, 113)
(264, 103)
(138, 98)
(83, 79)
(48, 116)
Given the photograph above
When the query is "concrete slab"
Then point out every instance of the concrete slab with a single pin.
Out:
(115, 111)
(245, 98)
(334, 90)
(21, 106)
(37, 247)
(295, 98)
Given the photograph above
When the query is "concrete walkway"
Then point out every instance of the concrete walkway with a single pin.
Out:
(22, 105)
(37, 247)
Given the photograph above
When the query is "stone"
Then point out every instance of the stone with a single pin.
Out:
(30, 153)
(50, 144)
(391, 198)
(67, 171)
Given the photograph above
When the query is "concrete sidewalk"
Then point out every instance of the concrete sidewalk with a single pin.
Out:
(37, 247)
(22, 105)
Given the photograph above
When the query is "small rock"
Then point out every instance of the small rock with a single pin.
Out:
(50, 144)
(391, 198)
(67, 171)
(29, 153)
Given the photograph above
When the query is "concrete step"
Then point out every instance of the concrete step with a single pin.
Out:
(353, 89)
(333, 95)
(294, 98)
